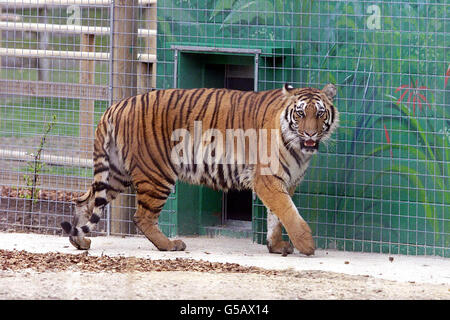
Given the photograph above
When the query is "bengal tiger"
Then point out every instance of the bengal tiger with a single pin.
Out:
(135, 144)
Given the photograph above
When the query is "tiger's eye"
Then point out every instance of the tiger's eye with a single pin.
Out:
(300, 113)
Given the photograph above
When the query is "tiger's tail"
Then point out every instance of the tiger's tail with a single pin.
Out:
(109, 181)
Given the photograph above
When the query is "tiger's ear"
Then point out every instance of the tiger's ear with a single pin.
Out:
(287, 88)
(330, 91)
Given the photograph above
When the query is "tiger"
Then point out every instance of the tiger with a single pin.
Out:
(136, 145)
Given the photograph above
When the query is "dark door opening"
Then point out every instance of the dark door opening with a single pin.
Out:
(237, 205)
(239, 77)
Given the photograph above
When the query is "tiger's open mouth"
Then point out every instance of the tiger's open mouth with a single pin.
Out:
(309, 146)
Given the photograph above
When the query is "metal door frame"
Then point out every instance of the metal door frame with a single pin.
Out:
(205, 50)
(182, 48)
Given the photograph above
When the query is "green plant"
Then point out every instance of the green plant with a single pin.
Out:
(36, 166)
(429, 150)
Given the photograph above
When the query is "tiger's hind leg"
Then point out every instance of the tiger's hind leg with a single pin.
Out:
(150, 201)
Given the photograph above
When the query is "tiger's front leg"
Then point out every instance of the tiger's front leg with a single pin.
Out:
(275, 242)
(278, 201)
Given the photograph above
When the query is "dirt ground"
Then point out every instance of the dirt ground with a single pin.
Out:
(47, 267)
(65, 276)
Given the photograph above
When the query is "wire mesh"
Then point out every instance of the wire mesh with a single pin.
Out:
(380, 185)
(60, 70)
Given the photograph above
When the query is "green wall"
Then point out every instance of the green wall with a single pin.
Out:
(382, 183)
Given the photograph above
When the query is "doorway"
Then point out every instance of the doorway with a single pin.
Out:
(237, 205)
(206, 69)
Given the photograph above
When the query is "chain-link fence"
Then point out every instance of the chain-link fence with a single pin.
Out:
(381, 185)
(62, 64)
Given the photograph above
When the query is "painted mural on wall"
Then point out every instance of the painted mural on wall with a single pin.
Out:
(383, 183)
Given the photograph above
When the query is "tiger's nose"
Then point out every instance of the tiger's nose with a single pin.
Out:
(311, 134)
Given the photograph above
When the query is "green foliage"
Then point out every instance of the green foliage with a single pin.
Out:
(36, 165)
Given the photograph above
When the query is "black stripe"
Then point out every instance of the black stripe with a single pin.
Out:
(285, 168)
(279, 178)
(164, 192)
(144, 205)
(211, 177)
(118, 178)
(204, 107)
(115, 169)
(100, 202)
(292, 152)
(128, 129)
(286, 115)
(332, 114)
(148, 208)
(100, 185)
(181, 105)
(67, 227)
(260, 103)
(100, 155)
(246, 106)
(221, 176)
(78, 201)
(268, 105)
(100, 168)
(230, 174)
(155, 141)
(155, 182)
(292, 122)
(158, 208)
(144, 165)
(166, 133)
(118, 115)
(153, 195)
(216, 112)
(193, 102)
(94, 218)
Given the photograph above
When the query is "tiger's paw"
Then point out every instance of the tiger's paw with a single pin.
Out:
(174, 245)
(308, 249)
(80, 243)
(283, 247)
(178, 245)
(306, 244)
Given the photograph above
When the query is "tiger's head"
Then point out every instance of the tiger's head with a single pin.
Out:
(309, 117)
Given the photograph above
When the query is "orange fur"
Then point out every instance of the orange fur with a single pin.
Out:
(133, 145)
